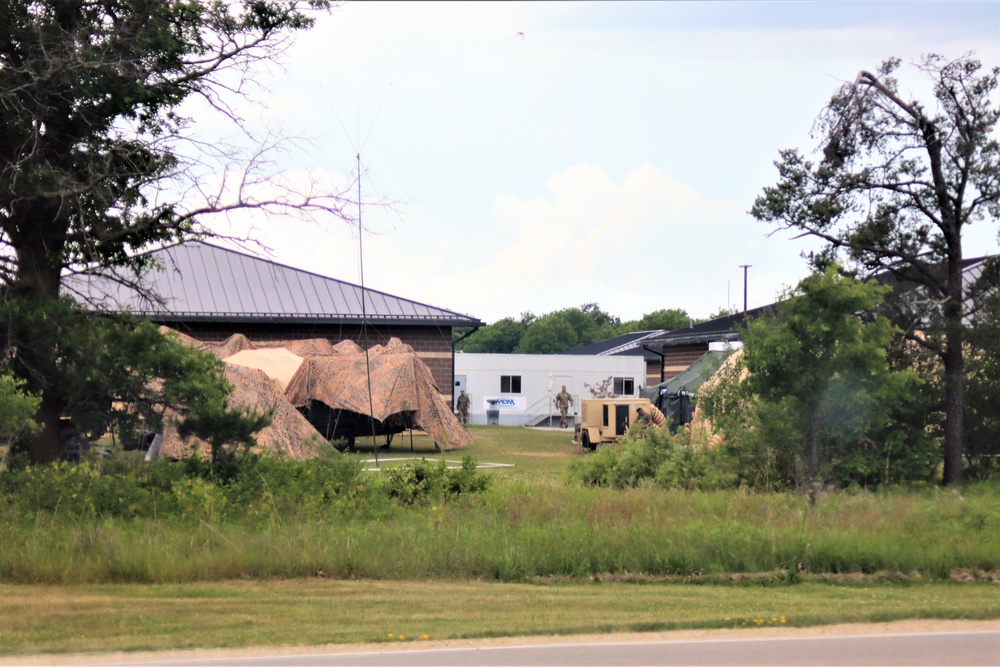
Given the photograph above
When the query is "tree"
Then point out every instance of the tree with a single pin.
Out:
(229, 432)
(817, 383)
(501, 337)
(565, 329)
(91, 145)
(548, 335)
(16, 409)
(721, 312)
(667, 319)
(982, 406)
(894, 189)
(123, 376)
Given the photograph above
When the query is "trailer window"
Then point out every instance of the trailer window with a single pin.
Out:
(624, 386)
(510, 384)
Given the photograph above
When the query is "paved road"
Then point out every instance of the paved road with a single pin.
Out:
(951, 648)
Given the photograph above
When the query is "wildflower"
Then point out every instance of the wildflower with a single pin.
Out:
(391, 635)
(424, 636)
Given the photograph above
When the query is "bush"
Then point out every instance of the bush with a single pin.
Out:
(424, 480)
(655, 456)
(123, 486)
(688, 467)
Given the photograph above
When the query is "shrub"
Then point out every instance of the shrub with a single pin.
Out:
(123, 486)
(424, 480)
(688, 467)
(668, 461)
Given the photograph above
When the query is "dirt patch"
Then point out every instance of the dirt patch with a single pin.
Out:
(964, 575)
(960, 575)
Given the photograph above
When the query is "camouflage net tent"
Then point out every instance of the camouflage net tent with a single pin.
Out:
(288, 375)
(401, 384)
(290, 433)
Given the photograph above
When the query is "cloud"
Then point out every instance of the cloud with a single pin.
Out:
(610, 156)
(588, 238)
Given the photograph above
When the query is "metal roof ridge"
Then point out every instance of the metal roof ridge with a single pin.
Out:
(366, 290)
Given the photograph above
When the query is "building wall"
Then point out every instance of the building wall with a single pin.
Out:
(677, 359)
(653, 375)
(542, 376)
(432, 344)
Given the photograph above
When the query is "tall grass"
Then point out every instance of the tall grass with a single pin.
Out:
(514, 531)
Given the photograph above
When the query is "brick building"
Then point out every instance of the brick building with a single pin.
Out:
(667, 354)
(210, 293)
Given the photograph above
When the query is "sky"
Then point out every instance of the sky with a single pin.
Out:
(530, 157)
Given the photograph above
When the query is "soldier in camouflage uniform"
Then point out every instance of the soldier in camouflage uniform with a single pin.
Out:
(463, 407)
(563, 401)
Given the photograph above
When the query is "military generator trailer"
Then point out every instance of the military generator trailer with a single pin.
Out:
(605, 420)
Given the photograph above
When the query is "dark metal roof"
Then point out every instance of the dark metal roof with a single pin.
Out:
(197, 281)
(615, 346)
(719, 329)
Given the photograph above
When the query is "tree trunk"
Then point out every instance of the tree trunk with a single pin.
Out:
(38, 280)
(46, 445)
(954, 415)
(954, 373)
(814, 435)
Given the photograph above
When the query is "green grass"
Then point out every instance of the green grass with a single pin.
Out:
(309, 612)
(517, 531)
(530, 555)
(540, 456)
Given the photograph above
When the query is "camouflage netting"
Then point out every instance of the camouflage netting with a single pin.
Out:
(312, 347)
(400, 382)
(278, 363)
(289, 433)
(702, 433)
(289, 374)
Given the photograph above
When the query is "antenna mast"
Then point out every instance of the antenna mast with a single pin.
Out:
(364, 317)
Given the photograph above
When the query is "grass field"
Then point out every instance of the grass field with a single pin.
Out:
(536, 455)
(41, 619)
(532, 555)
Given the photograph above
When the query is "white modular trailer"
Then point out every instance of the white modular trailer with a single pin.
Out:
(520, 389)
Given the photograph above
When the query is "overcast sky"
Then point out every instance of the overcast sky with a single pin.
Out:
(545, 155)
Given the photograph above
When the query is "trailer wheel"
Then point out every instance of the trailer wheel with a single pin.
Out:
(585, 440)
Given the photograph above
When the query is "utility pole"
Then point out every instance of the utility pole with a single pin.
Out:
(745, 267)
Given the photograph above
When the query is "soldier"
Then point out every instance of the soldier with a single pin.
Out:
(654, 417)
(563, 401)
(463, 407)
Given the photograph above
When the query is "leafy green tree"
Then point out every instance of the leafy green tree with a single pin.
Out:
(114, 374)
(813, 385)
(568, 328)
(91, 144)
(982, 392)
(501, 337)
(600, 318)
(16, 409)
(548, 335)
(721, 312)
(896, 184)
(667, 319)
(588, 324)
(229, 432)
